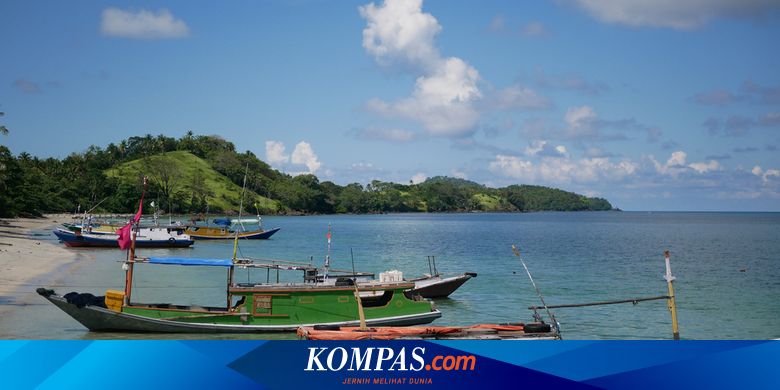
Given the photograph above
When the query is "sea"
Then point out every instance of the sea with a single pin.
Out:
(726, 265)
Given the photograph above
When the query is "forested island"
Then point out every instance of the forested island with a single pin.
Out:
(205, 173)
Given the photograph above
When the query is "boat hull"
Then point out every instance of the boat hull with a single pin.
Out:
(72, 239)
(223, 234)
(440, 288)
(99, 319)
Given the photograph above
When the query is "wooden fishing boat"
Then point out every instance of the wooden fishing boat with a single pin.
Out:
(146, 238)
(249, 308)
(224, 233)
(436, 286)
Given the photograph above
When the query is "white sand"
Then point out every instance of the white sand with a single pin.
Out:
(25, 258)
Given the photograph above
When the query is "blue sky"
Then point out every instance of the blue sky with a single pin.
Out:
(655, 105)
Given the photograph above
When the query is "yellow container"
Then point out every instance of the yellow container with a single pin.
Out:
(115, 299)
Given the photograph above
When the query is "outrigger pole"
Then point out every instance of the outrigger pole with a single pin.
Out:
(670, 300)
(539, 293)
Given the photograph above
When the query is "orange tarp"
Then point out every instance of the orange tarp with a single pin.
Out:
(390, 333)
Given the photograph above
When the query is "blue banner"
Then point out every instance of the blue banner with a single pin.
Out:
(448, 364)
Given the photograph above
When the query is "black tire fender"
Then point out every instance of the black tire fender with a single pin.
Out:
(537, 328)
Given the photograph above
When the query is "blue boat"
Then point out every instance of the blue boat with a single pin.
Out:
(146, 238)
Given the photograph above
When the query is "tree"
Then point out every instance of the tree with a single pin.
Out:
(165, 179)
(3, 129)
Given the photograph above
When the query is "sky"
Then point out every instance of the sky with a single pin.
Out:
(651, 104)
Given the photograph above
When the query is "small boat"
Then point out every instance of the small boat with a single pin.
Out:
(224, 233)
(538, 330)
(146, 238)
(436, 286)
(433, 285)
(249, 308)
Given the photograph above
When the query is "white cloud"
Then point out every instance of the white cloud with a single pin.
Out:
(675, 14)
(442, 101)
(142, 24)
(562, 170)
(705, 167)
(447, 89)
(677, 164)
(398, 30)
(418, 178)
(304, 155)
(274, 153)
(580, 117)
(542, 148)
(765, 175)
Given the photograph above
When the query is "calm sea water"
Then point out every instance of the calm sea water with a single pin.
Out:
(727, 267)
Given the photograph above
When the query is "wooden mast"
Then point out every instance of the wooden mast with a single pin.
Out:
(671, 301)
(131, 263)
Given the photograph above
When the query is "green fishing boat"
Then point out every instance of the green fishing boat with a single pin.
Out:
(248, 308)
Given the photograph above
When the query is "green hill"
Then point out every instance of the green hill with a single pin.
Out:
(182, 176)
(199, 172)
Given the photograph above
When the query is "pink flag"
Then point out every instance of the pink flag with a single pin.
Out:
(124, 232)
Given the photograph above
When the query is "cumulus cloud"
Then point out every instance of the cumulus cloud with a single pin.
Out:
(562, 170)
(398, 30)
(442, 101)
(677, 165)
(304, 155)
(142, 24)
(681, 15)
(418, 178)
(275, 153)
(446, 91)
(765, 175)
(542, 148)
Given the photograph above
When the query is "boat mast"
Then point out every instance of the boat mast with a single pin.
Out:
(131, 253)
(235, 241)
(327, 257)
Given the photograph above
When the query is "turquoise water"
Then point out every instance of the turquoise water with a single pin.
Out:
(727, 267)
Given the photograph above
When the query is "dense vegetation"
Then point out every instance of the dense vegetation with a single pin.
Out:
(197, 173)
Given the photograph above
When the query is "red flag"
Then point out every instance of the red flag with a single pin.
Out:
(124, 232)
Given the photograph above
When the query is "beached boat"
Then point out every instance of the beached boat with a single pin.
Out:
(248, 308)
(146, 238)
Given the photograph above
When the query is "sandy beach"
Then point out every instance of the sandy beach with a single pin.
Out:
(26, 259)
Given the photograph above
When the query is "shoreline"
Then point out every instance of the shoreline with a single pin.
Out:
(28, 260)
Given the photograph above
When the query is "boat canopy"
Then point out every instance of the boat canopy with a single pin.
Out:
(228, 221)
(222, 221)
(191, 261)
